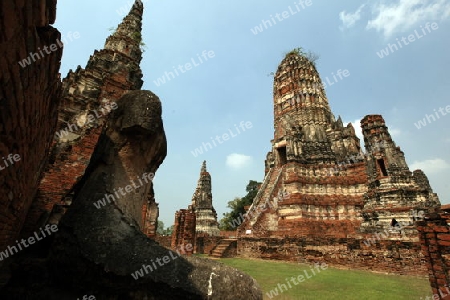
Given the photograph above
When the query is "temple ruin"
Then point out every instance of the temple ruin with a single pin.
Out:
(199, 221)
(83, 138)
(206, 216)
(335, 194)
(88, 96)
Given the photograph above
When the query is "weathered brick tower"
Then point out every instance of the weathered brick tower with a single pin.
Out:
(206, 216)
(337, 200)
(88, 95)
(393, 191)
(308, 143)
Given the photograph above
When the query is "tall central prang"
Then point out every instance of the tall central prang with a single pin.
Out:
(331, 187)
(305, 128)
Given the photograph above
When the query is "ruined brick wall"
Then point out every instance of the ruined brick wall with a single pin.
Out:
(164, 240)
(434, 234)
(392, 256)
(228, 234)
(205, 244)
(29, 99)
(184, 228)
(150, 214)
(231, 250)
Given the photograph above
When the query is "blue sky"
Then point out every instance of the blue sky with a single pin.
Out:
(406, 81)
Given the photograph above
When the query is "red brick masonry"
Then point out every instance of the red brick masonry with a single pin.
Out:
(434, 234)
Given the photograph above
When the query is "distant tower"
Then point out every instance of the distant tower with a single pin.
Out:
(206, 216)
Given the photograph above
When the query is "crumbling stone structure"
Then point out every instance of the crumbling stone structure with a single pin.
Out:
(198, 223)
(336, 196)
(98, 246)
(29, 99)
(88, 96)
(100, 249)
(393, 191)
(434, 233)
(206, 216)
(184, 228)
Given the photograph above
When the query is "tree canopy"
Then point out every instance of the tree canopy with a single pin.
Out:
(164, 231)
(237, 206)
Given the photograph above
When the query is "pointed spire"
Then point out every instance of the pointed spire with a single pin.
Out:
(127, 38)
(202, 205)
(203, 170)
(339, 122)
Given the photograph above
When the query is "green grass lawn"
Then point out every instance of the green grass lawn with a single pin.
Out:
(331, 283)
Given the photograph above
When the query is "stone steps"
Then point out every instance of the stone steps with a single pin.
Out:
(222, 247)
(268, 194)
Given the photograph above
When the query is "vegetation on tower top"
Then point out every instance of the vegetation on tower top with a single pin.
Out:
(309, 55)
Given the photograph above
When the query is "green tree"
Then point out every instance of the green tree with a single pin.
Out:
(168, 230)
(228, 222)
(160, 229)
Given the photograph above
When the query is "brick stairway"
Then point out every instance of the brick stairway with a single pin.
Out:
(270, 183)
(222, 247)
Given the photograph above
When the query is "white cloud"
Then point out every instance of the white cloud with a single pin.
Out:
(403, 15)
(238, 161)
(430, 165)
(357, 125)
(350, 19)
(395, 132)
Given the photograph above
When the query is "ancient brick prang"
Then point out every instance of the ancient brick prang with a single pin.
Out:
(29, 99)
(319, 183)
(305, 128)
(88, 96)
(199, 221)
(393, 191)
(206, 216)
(315, 160)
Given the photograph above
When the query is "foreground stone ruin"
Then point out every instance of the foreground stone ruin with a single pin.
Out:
(434, 234)
(90, 186)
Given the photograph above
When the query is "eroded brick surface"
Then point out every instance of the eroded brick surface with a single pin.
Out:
(29, 99)
(434, 234)
(89, 95)
(184, 228)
